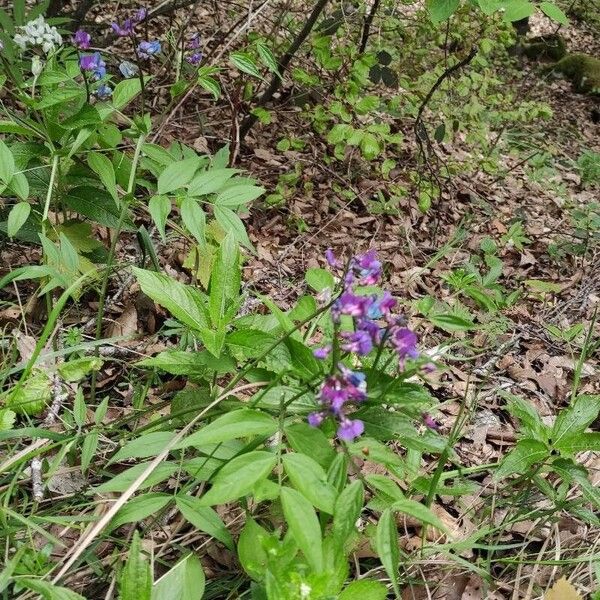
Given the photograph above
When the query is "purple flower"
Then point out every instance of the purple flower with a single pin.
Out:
(82, 39)
(315, 419)
(125, 30)
(322, 353)
(195, 58)
(103, 92)
(430, 422)
(381, 306)
(332, 261)
(370, 327)
(194, 42)
(368, 268)
(350, 429)
(93, 63)
(404, 342)
(149, 49)
(350, 304)
(140, 15)
(360, 342)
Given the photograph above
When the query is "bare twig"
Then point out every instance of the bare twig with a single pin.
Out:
(367, 26)
(282, 65)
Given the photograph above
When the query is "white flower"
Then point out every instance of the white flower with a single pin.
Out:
(38, 33)
(37, 66)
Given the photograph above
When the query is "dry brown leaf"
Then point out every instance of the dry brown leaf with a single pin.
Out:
(125, 324)
(562, 590)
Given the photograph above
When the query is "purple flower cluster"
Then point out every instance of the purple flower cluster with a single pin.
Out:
(128, 26)
(374, 324)
(92, 63)
(336, 391)
(194, 56)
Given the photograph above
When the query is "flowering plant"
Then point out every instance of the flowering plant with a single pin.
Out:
(363, 323)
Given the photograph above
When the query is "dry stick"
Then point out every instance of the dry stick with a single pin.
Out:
(282, 65)
(367, 27)
(89, 537)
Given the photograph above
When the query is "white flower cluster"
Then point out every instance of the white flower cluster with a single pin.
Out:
(38, 33)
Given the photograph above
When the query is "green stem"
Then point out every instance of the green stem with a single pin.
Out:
(112, 251)
(53, 172)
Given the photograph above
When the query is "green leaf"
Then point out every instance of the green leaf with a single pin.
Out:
(348, 507)
(210, 84)
(238, 477)
(135, 582)
(241, 423)
(184, 302)
(440, 10)
(304, 526)
(364, 589)
(583, 442)
(573, 420)
(210, 181)
(195, 219)
(267, 57)
(554, 12)
(144, 446)
(160, 207)
(177, 175)
(33, 396)
(245, 63)
(48, 590)
(7, 164)
(524, 455)
(230, 222)
(309, 478)
(64, 95)
(75, 369)
(319, 279)
(17, 217)
(529, 420)
(376, 451)
(251, 553)
(185, 581)
(102, 166)
(449, 322)
(140, 508)
(97, 205)
(204, 518)
(225, 281)
(125, 91)
(238, 194)
(386, 541)
(310, 441)
(516, 10)
(7, 419)
(178, 362)
(418, 511)
(369, 146)
(120, 482)
(19, 185)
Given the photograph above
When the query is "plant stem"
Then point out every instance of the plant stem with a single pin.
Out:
(49, 193)
(112, 251)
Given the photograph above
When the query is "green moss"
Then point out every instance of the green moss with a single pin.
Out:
(551, 47)
(582, 70)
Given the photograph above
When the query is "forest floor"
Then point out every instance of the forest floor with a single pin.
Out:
(544, 220)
